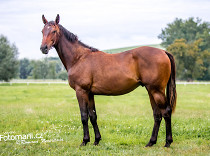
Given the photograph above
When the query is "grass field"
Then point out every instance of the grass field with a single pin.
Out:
(51, 114)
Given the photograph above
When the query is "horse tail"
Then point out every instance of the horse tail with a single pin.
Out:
(171, 86)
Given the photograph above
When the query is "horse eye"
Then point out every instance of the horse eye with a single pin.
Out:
(54, 32)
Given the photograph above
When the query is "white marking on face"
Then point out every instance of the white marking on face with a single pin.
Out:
(48, 27)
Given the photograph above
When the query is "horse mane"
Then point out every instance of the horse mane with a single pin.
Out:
(71, 37)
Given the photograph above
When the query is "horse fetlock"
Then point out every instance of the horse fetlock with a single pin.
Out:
(97, 140)
(152, 141)
(86, 140)
(168, 142)
(84, 143)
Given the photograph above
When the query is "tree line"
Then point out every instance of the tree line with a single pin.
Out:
(188, 41)
(47, 68)
(12, 67)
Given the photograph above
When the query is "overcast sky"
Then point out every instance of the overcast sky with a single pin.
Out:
(103, 24)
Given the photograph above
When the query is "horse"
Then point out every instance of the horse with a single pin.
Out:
(93, 72)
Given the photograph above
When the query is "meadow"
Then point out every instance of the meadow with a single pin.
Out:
(50, 113)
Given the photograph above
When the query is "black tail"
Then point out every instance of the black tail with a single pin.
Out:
(171, 86)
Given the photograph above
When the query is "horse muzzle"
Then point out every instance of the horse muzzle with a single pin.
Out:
(44, 49)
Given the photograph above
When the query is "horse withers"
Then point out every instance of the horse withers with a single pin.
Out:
(93, 72)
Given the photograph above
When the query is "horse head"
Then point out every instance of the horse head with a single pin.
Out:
(50, 34)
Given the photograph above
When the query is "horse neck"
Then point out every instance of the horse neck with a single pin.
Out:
(69, 52)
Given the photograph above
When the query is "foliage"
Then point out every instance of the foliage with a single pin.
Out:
(63, 75)
(189, 59)
(47, 68)
(190, 30)
(192, 38)
(8, 59)
(125, 122)
(52, 70)
(25, 68)
(40, 69)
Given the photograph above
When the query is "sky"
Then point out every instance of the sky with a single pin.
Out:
(103, 24)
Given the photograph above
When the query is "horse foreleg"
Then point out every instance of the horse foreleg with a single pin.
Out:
(93, 118)
(82, 97)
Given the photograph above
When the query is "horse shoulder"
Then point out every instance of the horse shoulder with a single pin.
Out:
(80, 75)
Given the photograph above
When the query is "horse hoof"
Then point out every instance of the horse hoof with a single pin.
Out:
(167, 145)
(97, 140)
(83, 144)
(149, 144)
(168, 142)
(96, 143)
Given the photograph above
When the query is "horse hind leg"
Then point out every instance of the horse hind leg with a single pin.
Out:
(165, 111)
(157, 120)
(167, 117)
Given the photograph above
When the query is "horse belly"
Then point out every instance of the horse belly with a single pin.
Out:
(115, 74)
(114, 86)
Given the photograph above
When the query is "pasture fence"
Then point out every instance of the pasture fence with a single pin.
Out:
(66, 82)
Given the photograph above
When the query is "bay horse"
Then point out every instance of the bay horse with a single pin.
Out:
(93, 72)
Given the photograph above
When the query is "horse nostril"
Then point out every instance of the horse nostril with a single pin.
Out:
(44, 49)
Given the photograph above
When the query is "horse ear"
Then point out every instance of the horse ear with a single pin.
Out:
(44, 19)
(57, 20)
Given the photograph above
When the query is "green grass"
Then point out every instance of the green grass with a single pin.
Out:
(117, 50)
(125, 122)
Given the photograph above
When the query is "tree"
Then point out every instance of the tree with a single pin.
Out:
(40, 69)
(206, 62)
(8, 59)
(63, 75)
(196, 34)
(189, 59)
(52, 70)
(48, 68)
(25, 68)
(190, 30)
